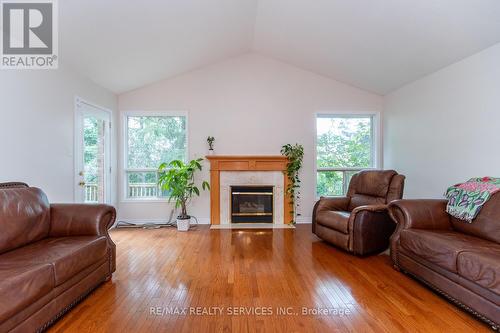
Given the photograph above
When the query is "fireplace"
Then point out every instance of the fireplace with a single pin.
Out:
(253, 171)
(252, 204)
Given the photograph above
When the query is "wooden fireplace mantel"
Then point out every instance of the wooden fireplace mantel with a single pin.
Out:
(220, 163)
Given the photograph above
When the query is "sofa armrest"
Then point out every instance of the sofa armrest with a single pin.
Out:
(369, 229)
(370, 208)
(420, 214)
(367, 208)
(335, 204)
(329, 204)
(81, 220)
(416, 214)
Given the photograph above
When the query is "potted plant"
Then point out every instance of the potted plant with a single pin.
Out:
(177, 178)
(210, 141)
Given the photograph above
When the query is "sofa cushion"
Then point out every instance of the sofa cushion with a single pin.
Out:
(68, 255)
(337, 220)
(441, 247)
(481, 267)
(22, 285)
(24, 217)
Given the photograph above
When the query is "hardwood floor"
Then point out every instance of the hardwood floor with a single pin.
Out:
(261, 271)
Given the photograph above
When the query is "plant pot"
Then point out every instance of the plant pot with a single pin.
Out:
(183, 224)
(211, 152)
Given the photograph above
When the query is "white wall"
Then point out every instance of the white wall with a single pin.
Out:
(252, 105)
(37, 127)
(445, 128)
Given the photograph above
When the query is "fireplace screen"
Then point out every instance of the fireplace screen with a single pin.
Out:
(252, 204)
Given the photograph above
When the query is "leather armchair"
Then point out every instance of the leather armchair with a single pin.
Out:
(359, 222)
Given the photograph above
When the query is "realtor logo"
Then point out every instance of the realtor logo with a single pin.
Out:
(29, 34)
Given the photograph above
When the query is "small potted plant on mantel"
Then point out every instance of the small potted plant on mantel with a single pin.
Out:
(210, 141)
(177, 178)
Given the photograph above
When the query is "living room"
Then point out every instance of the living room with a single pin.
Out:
(250, 166)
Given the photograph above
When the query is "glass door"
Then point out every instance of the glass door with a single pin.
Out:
(92, 149)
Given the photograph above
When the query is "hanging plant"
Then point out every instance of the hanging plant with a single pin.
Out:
(295, 155)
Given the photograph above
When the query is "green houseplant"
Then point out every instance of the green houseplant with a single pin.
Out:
(177, 178)
(295, 155)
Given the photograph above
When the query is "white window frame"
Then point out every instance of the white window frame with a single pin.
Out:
(124, 136)
(376, 143)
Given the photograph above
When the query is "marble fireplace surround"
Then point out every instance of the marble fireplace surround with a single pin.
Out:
(234, 170)
(248, 178)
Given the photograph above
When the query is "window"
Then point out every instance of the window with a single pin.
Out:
(149, 141)
(345, 144)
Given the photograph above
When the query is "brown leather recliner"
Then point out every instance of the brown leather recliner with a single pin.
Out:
(51, 256)
(459, 260)
(359, 222)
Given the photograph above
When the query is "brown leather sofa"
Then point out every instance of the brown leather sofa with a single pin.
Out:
(459, 260)
(359, 222)
(51, 256)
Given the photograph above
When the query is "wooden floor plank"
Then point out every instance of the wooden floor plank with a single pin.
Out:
(256, 269)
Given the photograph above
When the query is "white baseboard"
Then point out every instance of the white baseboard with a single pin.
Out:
(201, 220)
(143, 221)
(304, 220)
(140, 221)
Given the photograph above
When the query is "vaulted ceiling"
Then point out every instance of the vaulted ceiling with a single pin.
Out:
(376, 45)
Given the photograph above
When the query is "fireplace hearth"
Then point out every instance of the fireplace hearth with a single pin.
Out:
(252, 204)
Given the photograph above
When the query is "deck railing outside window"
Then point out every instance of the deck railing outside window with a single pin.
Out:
(91, 192)
(340, 185)
(144, 190)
